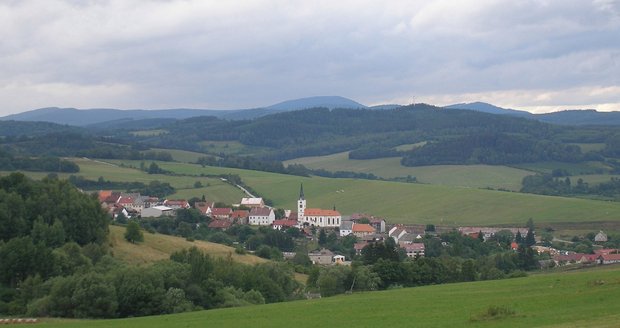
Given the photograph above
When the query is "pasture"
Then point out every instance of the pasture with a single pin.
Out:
(472, 176)
(586, 298)
(414, 202)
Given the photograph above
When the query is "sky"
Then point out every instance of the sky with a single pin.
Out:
(538, 55)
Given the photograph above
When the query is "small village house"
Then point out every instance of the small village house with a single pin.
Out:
(321, 257)
(262, 216)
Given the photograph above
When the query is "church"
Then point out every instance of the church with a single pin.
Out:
(315, 216)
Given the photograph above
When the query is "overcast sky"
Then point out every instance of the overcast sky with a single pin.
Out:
(534, 55)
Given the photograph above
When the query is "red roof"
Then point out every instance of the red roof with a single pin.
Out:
(285, 223)
(203, 206)
(606, 251)
(610, 257)
(359, 246)
(363, 227)
(104, 194)
(179, 202)
(514, 245)
(125, 200)
(240, 214)
(320, 212)
(219, 224)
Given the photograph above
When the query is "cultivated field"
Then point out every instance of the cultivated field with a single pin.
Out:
(416, 203)
(576, 299)
(473, 176)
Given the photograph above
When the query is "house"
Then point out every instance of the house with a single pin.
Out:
(221, 213)
(240, 216)
(252, 202)
(261, 216)
(220, 224)
(204, 207)
(397, 232)
(358, 247)
(103, 195)
(414, 250)
(609, 259)
(606, 251)
(378, 224)
(600, 237)
(514, 246)
(346, 228)
(315, 216)
(322, 257)
(362, 229)
(177, 204)
(284, 224)
(339, 259)
(157, 211)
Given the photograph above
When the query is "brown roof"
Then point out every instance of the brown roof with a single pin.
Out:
(285, 223)
(260, 211)
(320, 212)
(240, 214)
(414, 247)
(363, 227)
(203, 206)
(219, 224)
(178, 202)
(359, 246)
(221, 211)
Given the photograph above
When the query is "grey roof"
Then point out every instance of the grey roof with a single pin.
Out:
(346, 225)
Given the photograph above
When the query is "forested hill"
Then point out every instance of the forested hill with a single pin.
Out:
(440, 136)
(371, 133)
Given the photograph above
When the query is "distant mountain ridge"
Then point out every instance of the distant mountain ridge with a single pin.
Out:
(106, 116)
(565, 117)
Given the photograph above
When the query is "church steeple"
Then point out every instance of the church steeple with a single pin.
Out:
(301, 191)
(301, 204)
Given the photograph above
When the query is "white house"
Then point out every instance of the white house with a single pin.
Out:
(261, 216)
(346, 228)
(252, 202)
(157, 211)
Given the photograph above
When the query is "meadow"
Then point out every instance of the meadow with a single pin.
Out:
(585, 298)
(158, 247)
(414, 202)
(213, 188)
(472, 176)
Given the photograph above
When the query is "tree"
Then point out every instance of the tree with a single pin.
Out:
(430, 228)
(518, 237)
(322, 237)
(133, 233)
(529, 238)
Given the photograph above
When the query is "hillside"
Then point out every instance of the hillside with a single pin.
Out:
(158, 247)
(411, 202)
(586, 298)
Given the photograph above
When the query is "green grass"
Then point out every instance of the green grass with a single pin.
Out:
(231, 148)
(587, 147)
(473, 176)
(576, 299)
(572, 168)
(214, 189)
(416, 203)
(183, 156)
(158, 247)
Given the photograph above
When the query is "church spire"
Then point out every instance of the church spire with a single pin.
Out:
(301, 191)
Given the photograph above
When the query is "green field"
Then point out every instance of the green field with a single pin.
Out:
(149, 133)
(577, 299)
(231, 148)
(214, 189)
(180, 155)
(473, 176)
(397, 202)
(572, 168)
(415, 203)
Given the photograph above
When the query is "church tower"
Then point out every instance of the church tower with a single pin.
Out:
(301, 204)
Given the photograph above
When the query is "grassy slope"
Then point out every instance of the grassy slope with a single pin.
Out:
(474, 176)
(159, 247)
(214, 190)
(417, 203)
(577, 299)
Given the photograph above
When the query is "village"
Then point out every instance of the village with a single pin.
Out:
(366, 228)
